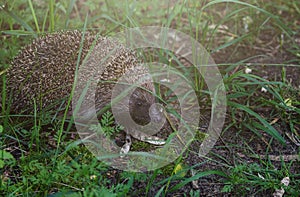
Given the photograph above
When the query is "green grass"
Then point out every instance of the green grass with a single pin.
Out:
(39, 156)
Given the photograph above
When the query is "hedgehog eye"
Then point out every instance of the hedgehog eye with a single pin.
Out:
(135, 95)
(139, 102)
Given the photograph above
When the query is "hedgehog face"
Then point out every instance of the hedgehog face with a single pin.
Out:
(141, 107)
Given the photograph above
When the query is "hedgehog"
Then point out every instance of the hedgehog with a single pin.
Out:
(42, 74)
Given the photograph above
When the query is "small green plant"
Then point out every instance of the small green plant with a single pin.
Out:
(253, 178)
(242, 87)
(5, 157)
(107, 126)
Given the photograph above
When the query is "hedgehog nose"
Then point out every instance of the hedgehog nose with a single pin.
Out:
(156, 113)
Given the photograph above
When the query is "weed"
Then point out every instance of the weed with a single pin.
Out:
(107, 126)
(254, 178)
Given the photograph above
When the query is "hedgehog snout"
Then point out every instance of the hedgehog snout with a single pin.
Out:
(156, 113)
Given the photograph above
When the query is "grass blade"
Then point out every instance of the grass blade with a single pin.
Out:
(18, 20)
(268, 128)
(34, 16)
(197, 176)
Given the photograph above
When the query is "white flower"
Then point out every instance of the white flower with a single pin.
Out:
(93, 177)
(247, 21)
(248, 70)
(263, 89)
(280, 192)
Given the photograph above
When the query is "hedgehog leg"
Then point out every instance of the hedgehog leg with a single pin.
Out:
(148, 138)
(126, 147)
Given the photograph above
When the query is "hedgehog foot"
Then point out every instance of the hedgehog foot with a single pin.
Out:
(150, 139)
(126, 147)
